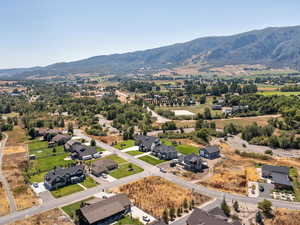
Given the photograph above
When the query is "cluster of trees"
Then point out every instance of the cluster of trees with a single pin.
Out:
(172, 213)
(292, 88)
(138, 86)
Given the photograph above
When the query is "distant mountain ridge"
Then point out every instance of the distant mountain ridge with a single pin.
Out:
(274, 46)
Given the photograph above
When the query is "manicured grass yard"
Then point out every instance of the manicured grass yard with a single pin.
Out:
(151, 160)
(127, 220)
(89, 182)
(133, 153)
(67, 190)
(187, 149)
(38, 177)
(36, 144)
(98, 149)
(125, 144)
(71, 209)
(123, 171)
(166, 141)
(116, 158)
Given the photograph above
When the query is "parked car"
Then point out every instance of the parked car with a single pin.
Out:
(35, 184)
(104, 176)
(146, 219)
(261, 188)
(162, 170)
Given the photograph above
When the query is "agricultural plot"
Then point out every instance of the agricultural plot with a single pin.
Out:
(154, 195)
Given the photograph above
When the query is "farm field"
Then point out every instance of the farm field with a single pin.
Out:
(268, 93)
(54, 216)
(154, 195)
(125, 144)
(151, 160)
(66, 190)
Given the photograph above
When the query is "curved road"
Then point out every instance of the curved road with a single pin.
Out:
(149, 170)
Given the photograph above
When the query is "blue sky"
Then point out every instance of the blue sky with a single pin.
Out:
(41, 32)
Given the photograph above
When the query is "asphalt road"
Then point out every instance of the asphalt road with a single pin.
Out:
(11, 200)
(149, 170)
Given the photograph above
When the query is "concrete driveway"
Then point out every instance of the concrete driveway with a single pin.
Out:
(139, 214)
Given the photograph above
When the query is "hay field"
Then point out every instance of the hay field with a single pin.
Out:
(154, 195)
(54, 216)
(4, 206)
(284, 217)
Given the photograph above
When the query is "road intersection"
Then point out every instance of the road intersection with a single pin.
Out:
(149, 170)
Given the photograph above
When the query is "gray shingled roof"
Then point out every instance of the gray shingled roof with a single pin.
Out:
(211, 149)
(60, 172)
(280, 178)
(275, 169)
(146, 141)
(105, 208)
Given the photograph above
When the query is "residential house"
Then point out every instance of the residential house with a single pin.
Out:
(103, 166)
(210, 152)
(83, 152)
(278, 174)
(59, 139)
(68, 146)
(60, 177)
(165, 152)
(50, 133)
(146, 143)
(191, 162)
(40, 132)
(200, 217)
(105, 211)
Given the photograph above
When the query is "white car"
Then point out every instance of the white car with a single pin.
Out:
(162, 170)
(146, 219)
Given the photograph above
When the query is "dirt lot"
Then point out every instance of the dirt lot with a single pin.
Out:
(15, 158)
(154, 195)
(284, 217)
(4, 206)
(232, 173)
(51, 217)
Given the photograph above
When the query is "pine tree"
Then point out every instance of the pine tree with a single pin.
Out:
(236, 206)
(185, 205)
(225, 208)
(172, 213)
(166, 216)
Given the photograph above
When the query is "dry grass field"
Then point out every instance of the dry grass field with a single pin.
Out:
(15, 158)
(233, 173)
(52, 217)
(154, 195)
(4, 206)
(284, 217)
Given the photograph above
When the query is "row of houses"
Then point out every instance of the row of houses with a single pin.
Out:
(192, 161)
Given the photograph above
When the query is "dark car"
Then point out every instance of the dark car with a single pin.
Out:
(261, 188)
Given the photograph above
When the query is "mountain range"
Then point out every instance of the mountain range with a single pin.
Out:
(275, 46)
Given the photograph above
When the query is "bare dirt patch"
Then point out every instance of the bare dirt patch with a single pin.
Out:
(15, 149)
(51, 217)
(154, 195)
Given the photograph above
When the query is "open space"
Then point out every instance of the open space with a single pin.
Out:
(154, 195)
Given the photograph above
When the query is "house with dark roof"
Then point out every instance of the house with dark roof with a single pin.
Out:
(83, 152)
(59, 139)
(210, 152)
(103, 166)
(216, 107)
(165, 152)
(191, 162)
(200, 217)
(146, 143)
(278, 174)
(105, 211)
(69, 144)
(60, 177)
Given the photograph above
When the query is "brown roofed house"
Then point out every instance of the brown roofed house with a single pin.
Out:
(103, 166)
(105, 211)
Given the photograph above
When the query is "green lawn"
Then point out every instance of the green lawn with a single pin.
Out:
(125, 144)
(127, 220)
(48, 151)
(98, 149)
(89, 182)
(71, 209)
(36, 144)
(151, 160)
(123, 171)
(66, 190)
(187, 149)
(166, 141)
(133, 153)
(48, 163)
(38, 177)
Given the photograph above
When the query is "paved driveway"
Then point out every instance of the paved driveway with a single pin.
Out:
(267, 190)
